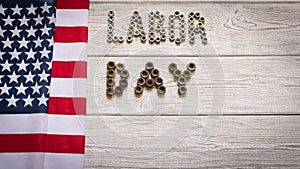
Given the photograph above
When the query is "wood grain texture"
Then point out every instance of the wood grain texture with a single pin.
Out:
(250, 85)
(235, 141)
(268, 29)
(256, 79)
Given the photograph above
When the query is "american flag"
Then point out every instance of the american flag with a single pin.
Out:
(43, 70)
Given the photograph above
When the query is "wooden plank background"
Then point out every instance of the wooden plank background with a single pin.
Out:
(232, 28)
(252, 61)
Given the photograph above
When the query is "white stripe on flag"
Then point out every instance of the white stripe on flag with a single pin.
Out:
(22, 160)
(68, 87)
(41, 160)
(42, 123)
(71, 17)
(66, 124)
(70, 52)
(64, 161)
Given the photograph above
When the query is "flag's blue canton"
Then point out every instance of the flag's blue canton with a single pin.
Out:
(26, 44)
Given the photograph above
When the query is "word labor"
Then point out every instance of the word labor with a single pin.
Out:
(157, 33)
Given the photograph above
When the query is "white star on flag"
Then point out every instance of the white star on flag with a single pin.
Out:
(17, 10)
(37, 65)
(15, 54)
(30, 54)
(12, 101)
(52, 19)
(15, 32)
(2, 32)
(43, 100)
(22, 65)
(45, 30)
(6, 66)
(8, 21)
(29, 77)
(23, 43)
(23, 21)
(7, 43)
(2, 9)
(13, 77)
(21, 89)
(38, 42)
(31, 10)
(44, 76)
(45, 53)
(28, 101)
(31, 32)
(36, 88)
(38, 21)
(5, 89)
(45, 8)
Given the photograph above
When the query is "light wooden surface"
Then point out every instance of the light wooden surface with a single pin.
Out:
(232, 28)
(237, 141)
(251, 85)
(246, 87)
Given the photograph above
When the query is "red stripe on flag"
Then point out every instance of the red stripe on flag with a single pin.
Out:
(67, 106)
(73, 69)
(73, 4)
(71, 34)
(42, 143)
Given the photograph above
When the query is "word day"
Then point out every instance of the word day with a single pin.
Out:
(149, 78)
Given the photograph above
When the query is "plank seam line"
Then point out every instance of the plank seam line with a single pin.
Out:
(195, 2)
(225, 56)
(200, 115)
